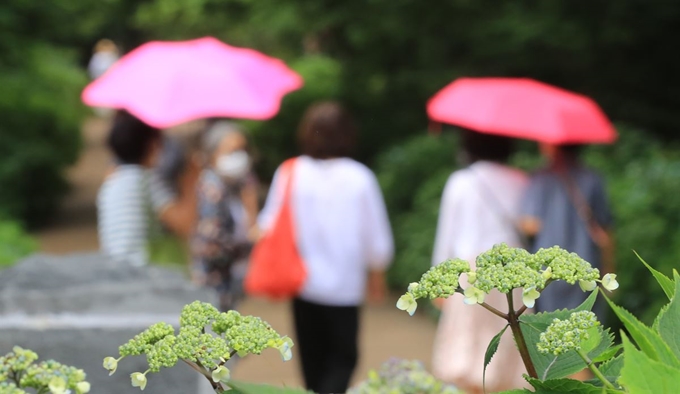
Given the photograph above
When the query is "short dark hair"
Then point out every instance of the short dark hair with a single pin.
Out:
(131, 139)
(327, 130)
(571, 151)
(481, 146)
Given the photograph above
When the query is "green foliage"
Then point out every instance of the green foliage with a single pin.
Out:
(252, 388)
(549, 366)
(665, 282)
(491, 350)
(649, 340)
(206, 340)
(565, 386)
(403, 377)
(669, 320)
(641, 173)
(39, 106)
(19, 370)
(412, 177)
(15, 243)
(643, 374)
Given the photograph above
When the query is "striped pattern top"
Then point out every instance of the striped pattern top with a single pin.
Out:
(126, 204)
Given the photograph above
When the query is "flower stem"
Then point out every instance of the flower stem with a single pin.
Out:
(513, 321)
(595, 371)
(494, 310)
(487, 307)
(216, 385)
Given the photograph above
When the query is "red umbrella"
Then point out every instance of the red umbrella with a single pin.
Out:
(521, 108)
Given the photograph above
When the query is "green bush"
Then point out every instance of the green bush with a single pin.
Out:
(40, 111)
(15, 243)
(412, 177)
(642, 177)
(276, 138)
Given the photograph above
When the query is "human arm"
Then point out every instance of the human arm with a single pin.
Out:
(604, 234)
(249, 199)
(179, 214)
(532, 208)
(379, 241)
(273, 202)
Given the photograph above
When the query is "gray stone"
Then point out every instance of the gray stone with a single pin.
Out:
(78, 309)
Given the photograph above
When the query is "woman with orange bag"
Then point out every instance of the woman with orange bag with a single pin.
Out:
(342, 234)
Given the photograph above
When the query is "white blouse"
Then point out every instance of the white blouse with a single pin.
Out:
(479, 207)
(342, 227)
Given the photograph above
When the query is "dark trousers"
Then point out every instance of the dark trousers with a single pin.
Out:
(327, 340)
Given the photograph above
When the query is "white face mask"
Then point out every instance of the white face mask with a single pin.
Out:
(235, 165)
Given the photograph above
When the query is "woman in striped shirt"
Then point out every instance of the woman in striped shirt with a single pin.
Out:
(133, 197)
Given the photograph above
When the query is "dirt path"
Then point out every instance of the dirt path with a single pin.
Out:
(386, 331)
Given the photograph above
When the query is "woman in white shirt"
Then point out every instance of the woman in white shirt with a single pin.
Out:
(479, 208)
(343, 236)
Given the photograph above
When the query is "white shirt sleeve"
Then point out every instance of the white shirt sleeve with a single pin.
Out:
(377, 230)
(273, 203)
(446, 225)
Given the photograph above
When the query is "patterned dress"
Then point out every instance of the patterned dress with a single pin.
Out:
(219, 243)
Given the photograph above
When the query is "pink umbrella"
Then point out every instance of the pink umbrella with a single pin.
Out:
(168, 83)
(521, 108)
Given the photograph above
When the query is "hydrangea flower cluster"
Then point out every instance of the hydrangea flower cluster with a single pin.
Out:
(504, 268)
(403, 377)
(206, 340)
(565, 335)
(439, 281)
(18, 372)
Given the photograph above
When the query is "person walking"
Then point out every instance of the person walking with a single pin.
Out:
(343, 236)
(133, 197)
(221, 245)
(479, 208)
(566, 205)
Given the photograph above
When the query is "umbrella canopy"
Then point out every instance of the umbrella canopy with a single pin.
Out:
(521, 108)
(168, 83)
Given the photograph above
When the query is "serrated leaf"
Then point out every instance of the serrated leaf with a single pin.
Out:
(666, 283)
(549, 366)
(669, 321)
(649, 341)
(516, 391)
(490, 351)
(655, 325)
(609, 353)
(643, 375)
(612, 368)
(253, 388)
(566, 386)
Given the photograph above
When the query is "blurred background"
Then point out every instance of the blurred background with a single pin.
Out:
(384, 58)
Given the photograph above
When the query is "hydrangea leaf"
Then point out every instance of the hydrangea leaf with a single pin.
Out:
(641, 374)
(491, 351)
(610, 369)
(549, 366)
(666, 283)
(252, 388)
(669, 320)
(649, 341)
(608, 354)
(565, 386)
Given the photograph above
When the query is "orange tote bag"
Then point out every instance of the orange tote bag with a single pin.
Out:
(276, 269)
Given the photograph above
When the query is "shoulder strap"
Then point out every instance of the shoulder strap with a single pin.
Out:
(287, 169)
(498, 207)
(583, 209)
